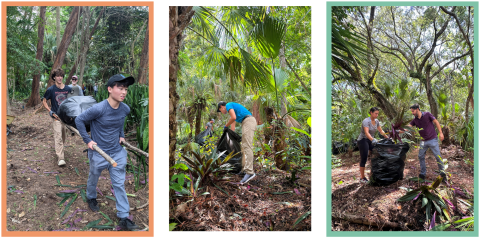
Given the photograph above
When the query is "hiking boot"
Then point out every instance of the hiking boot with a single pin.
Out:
(127, 224)
(421, 176)
(363, 180)
(247, 178)
(93, 204)
(61, 162)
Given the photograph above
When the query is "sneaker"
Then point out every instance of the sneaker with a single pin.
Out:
(363, 180)
(421, 176)
(444, 177)
(127, 224)
(247, 178)
(93, 204)
(61, 162)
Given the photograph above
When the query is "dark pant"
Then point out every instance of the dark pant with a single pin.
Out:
(364, 145)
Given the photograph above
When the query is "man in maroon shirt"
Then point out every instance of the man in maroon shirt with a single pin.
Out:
(425, 121)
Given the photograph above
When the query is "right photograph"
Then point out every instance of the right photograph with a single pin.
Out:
(402, 110)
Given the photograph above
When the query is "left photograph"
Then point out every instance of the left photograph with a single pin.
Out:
(409, 115)
(76, 89)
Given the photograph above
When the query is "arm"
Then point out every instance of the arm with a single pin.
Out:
(439, 128)
(379, 128)
(45, 104)
(88, 115)
(232, 119)
(122, 134)
(81, 91)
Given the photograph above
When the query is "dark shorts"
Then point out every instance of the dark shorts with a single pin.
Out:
(364, 145)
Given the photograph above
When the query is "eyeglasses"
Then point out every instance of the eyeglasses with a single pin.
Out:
(74, 79)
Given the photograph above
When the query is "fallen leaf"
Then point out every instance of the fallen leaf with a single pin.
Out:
(8, 210)
(21, 214)
(399, 207)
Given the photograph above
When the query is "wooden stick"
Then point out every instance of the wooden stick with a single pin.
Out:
(140, 207)
(95, 147)
(135, 148)
(365, 221)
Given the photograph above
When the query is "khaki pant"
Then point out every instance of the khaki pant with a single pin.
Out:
(249, 125)
(59, 133)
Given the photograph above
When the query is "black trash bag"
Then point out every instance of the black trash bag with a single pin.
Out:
(388, 162)
(230, 141)
(201, 137)
(339, 147)
(74, 106)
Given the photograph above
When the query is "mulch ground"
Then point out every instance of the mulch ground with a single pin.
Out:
(269, 202)
(352, 198)
(31, 170)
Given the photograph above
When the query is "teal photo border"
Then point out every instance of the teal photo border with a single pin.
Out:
(331, 233)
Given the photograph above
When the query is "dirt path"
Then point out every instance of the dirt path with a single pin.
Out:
(31, 170)
(379, 203)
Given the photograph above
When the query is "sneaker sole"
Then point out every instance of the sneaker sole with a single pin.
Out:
(249, 178)
(61, 163)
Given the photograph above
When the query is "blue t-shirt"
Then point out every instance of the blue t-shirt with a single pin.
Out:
(56, 95)
(106, 125)
(240, 111)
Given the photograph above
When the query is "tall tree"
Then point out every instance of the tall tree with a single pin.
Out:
(85, 40)
(86, 47)
(35, 96)
(142, 72)
(58, 26)
(67, 37)
(179, 18)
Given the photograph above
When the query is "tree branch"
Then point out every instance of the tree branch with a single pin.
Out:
(458, 57)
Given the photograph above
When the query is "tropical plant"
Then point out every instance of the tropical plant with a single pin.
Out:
(201, 166)
(430, 197)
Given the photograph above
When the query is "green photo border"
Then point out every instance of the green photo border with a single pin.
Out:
(329, 232)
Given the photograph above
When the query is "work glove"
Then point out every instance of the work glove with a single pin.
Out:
(225, 128)
(51, 114)
(374, 142)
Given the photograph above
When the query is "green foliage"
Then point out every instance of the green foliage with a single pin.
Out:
(202, 166)
(429, 196)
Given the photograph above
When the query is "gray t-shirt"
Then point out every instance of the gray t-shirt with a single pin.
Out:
(106, 125)
(209, 126)
(76, 91)
(372, 129)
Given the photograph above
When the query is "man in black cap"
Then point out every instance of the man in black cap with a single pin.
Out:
(106, 122)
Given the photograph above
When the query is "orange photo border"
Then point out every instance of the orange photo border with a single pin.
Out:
(4, 231)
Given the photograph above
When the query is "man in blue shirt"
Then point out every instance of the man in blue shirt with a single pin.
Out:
(106, 122)
(240, 114)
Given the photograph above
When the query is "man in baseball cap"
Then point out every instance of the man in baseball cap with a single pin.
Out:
(240, 114)
(106, 122)
(76, 89)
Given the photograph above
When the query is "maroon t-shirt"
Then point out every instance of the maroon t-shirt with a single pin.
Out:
(426, 122)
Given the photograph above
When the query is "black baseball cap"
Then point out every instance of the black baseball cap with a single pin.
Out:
(221, 103)
(118, 78)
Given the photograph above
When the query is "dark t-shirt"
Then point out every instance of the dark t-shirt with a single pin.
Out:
(426, 122)
(56, 95)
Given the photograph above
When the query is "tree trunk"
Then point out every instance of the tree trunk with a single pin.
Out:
(428, 87)
(256, 112)
(179, 18)
(469, 98)
(35, 95)
(58, 27)
(446, 135)
(198, 119)
(85, 49)
(67, 37)
(143, 70)
(268, 131)
(131, 66)
(85, 40)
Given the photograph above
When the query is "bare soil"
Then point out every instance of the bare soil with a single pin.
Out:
(31, 159)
